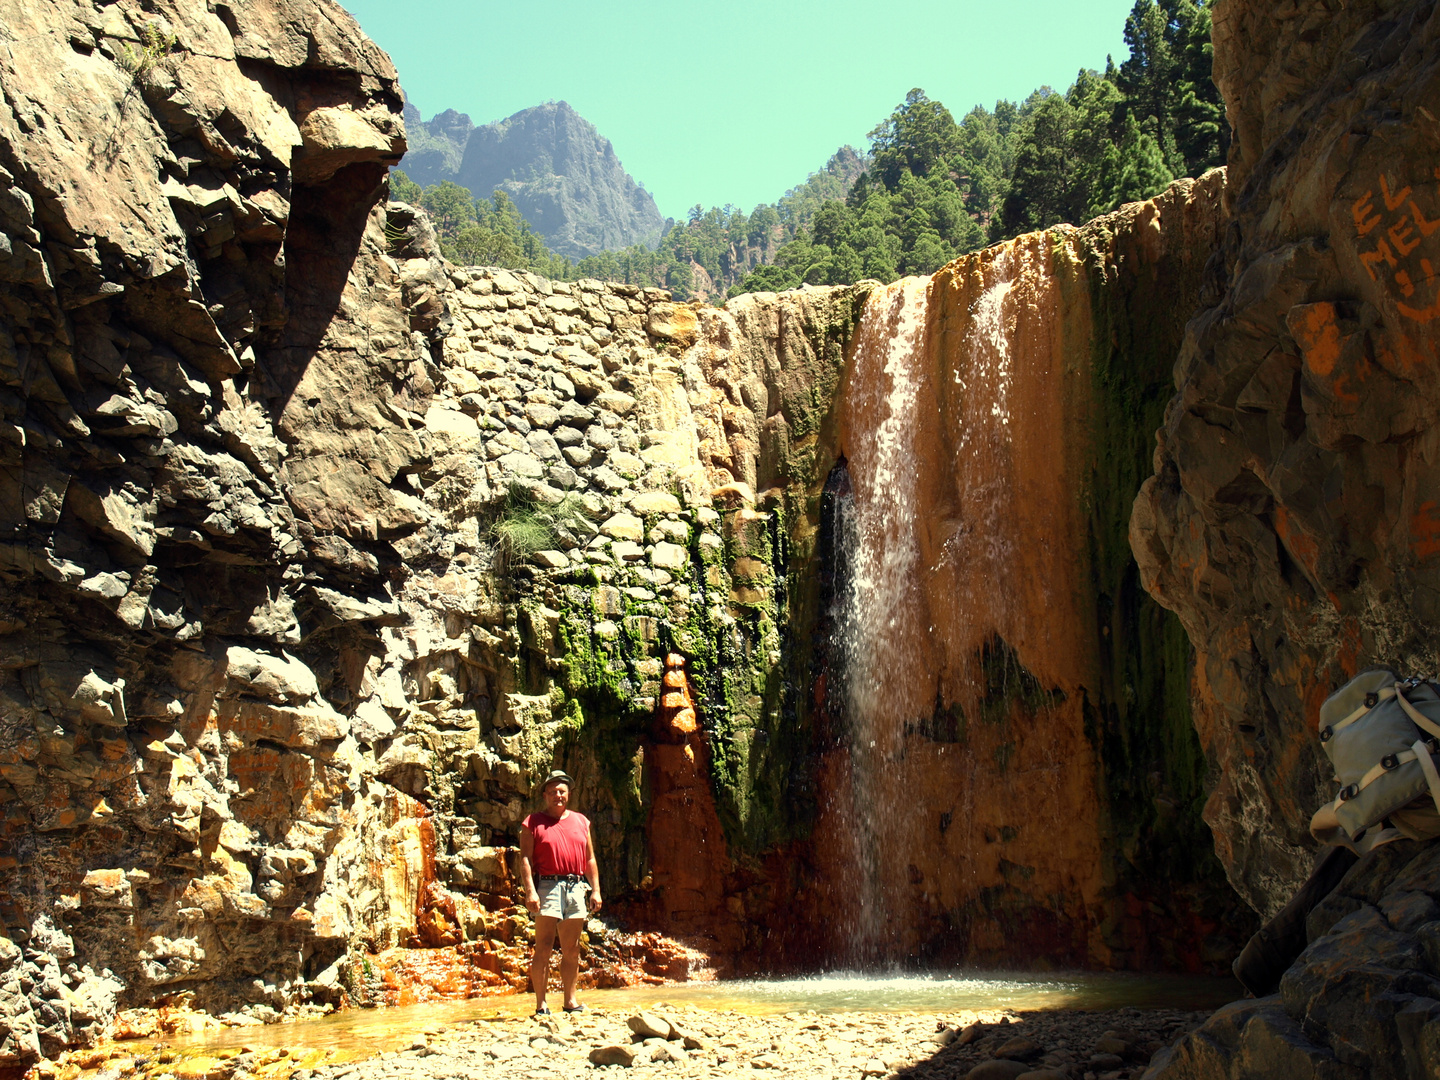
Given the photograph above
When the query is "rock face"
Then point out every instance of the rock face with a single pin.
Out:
(317, 553)
(1363, 999)
(1020, 679)
(1291, 520)
(279, 667)
(562, 174)
(193, 256)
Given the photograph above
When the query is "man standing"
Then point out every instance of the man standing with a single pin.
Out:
(557, 867)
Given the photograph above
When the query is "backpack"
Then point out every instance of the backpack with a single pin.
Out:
(1379, 732)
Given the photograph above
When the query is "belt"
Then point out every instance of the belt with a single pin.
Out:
(573, 879)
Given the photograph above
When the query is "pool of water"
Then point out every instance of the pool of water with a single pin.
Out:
(860, 992)
(363, 1032)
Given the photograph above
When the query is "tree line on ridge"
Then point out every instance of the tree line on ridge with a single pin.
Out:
(930, 188)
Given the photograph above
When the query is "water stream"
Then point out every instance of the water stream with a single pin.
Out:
(359, 1033)
(875, 604)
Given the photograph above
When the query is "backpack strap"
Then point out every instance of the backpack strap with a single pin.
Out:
(1370, 839)
(1423, 722)
(1432, 778)
(1390, 762)
(1379, 695)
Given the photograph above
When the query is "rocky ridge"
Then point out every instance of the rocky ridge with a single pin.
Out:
(561, 173)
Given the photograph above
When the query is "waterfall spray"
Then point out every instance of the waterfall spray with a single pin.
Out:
(875, 605)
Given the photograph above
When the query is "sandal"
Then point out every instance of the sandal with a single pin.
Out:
(543, 1010)
(574, 1008)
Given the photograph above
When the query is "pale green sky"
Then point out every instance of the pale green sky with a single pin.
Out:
(734, 102)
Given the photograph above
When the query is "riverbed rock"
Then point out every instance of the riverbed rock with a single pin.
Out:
(649, 1025)
(1363, 999)
(615, 1054)
(1019, 1049)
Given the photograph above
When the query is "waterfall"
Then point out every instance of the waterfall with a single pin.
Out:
(876, 605)
(958, 807)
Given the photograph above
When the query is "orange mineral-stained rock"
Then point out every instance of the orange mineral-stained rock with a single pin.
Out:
(689, 859)
(963, 806)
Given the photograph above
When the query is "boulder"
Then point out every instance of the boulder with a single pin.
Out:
(649, 1025)
(1019, 1049)
(614, 1054)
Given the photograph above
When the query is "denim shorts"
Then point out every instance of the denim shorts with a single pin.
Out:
(564, 898)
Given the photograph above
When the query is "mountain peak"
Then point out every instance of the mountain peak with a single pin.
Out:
(563, 175)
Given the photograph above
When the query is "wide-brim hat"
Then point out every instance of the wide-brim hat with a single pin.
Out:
(557, 776)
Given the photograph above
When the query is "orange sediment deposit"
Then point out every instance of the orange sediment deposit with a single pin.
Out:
(971, 776)
(689, 861)
(455, 973)
(963, 804)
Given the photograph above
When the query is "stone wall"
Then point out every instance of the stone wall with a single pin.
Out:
(635, 433)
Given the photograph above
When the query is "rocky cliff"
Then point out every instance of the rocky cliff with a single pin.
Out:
(1288, 521)
(317, 551)
(562, 174)
(279, 666)
(1291, 520)
(1038, 685)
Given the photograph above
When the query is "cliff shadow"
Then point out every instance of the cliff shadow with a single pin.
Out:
(326, 229)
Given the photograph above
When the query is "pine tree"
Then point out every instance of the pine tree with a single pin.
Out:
(1042, 191)
(917, 136)
(1202, 134)
(403, 189)
(1148, 76)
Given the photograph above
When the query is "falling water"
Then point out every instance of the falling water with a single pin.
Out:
(952, 524)
(876, 603)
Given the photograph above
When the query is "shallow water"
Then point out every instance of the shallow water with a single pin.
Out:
(365, 1032)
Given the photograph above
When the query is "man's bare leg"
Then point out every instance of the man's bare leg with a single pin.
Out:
(570, 958)
(540, 964)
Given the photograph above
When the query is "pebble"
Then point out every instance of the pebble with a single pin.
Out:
(689, 1042)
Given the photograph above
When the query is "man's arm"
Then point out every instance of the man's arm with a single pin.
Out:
(527, 876)
(592, 871)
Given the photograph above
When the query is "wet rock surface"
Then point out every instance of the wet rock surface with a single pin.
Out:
(1035, 666)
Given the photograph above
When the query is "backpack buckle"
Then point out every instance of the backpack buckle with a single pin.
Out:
(1371, 700)
(1349, 791)
(1390, 761)
(1326, 733)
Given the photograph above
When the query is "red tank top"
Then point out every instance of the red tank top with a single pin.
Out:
(559, 843)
